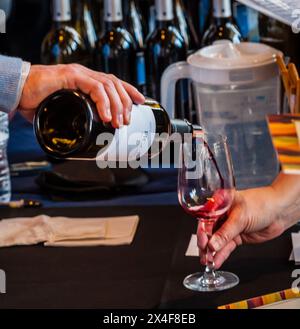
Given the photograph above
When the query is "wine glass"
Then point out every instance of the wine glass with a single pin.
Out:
(206, 188)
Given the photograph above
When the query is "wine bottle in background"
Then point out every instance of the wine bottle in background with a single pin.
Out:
(83, 22)
(222, 25)
(67, 125)
(63, 44)
(192, 9)
(148, 12)
(98, 14)
(135, 24)
(247, 20)
(205, 16)
(116, 49)
(186, 107)
(165, 45)
(186, 26)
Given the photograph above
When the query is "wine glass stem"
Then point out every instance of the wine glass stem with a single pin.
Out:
(207, 227)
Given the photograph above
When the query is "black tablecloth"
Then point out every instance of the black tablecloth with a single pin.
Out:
(147, 274)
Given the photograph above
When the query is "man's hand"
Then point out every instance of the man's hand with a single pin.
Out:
(113, 97)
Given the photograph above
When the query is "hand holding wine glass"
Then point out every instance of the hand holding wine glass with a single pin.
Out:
(256, 216)
(206, 190)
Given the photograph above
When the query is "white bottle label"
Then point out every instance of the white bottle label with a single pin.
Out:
(130, 142)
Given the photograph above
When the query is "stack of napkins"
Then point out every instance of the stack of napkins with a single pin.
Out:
(295, 256)
(68, 232)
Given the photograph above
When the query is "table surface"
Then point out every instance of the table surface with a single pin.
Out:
(146, 274)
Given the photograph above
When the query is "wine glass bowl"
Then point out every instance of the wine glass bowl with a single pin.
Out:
(206, 189)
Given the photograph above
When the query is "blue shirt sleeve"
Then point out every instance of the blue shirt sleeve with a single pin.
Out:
(10, 83)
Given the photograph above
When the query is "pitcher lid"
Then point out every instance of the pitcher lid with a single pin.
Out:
(226, 55)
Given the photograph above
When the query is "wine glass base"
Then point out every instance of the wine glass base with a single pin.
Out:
(221, 281)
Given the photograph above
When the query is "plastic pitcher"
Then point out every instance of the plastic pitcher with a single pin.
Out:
(235, 86)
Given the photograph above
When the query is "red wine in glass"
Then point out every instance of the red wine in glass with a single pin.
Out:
(206, 190)
(212, 207)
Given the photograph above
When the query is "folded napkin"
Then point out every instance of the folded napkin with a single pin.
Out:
(68, 232)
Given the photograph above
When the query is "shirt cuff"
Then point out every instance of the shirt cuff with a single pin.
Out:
(13, 74)
(24, 75)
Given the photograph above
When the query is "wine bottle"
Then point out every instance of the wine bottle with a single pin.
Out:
(186, 26)
(98, 14)
(148, 12)
(63, 44)
(222, 25)
(134, 23)
(116, 50)
(205, 16)
(164, 46)
(84, 24)
(67, 125)
(247, 19)
(186, 106)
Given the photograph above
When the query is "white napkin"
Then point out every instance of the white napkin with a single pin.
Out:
(68, 232)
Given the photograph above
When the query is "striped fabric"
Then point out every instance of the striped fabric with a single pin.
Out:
(283, 129)
(262, 300)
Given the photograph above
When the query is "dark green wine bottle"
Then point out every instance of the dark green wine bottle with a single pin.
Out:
(165, 46)
(222, 26)
(186, 26)
(135, 24)
(116, 49)
(84, 23)
(63, 44)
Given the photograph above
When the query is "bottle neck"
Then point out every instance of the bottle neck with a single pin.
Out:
(113, 12)
(61, 11)
(183, 127)
(164, 11)
(222, 9)
(78, 10)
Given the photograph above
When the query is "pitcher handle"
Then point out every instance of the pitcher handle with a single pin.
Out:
(171, 75)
